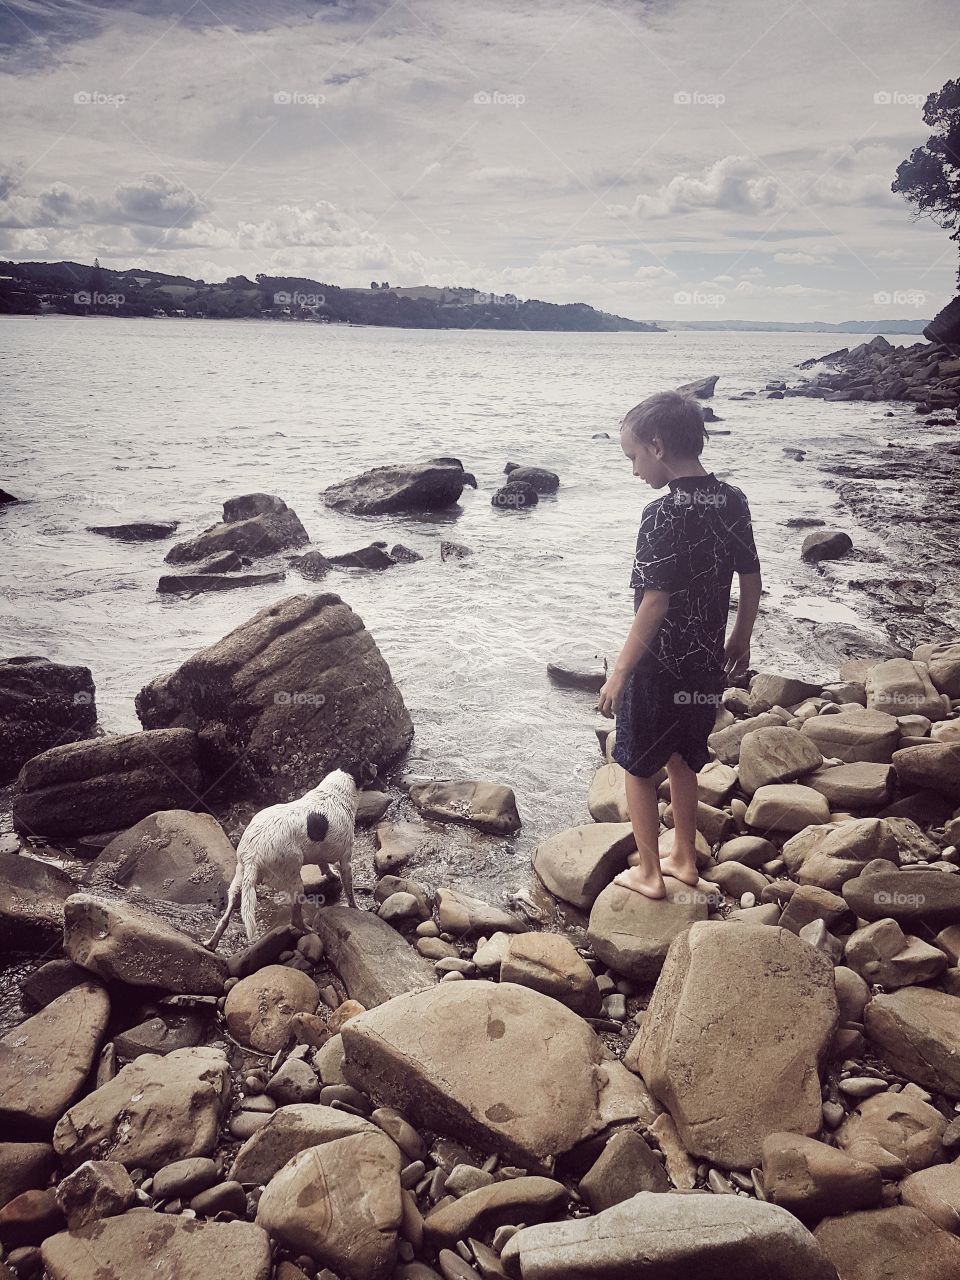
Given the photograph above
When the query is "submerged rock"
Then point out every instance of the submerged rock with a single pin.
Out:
(489, 806)
(173, 584)
(423, 487)
(136, 530)
(515, 495)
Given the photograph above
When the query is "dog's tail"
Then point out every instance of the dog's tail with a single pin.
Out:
(248, 901)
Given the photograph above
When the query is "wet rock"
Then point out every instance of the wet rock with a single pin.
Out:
(625, 1166)
(312, 565)
(166, 1247)
(775, 755)
(273, 528)
(289, 1130)
(702, 388)
(459, 913)
(373, 960)
(786, 807)
(549, 963)
(854, 734)
(173, 856)
(489, 806)
(935, 766)
(576, 864)
(884, 1242)
(632, 933)
(340, 1203)
(372, 556)
(515, 495)
(917, 1031)
(45, 1061)
(297, 690)
(825, 544)
(398, 842)
(423, 487)
(671, 1235)
(897, 1132)
(525, 1199)
(260, 1009)
(812, 1179)
(136, 530)
(114, 781)
(572, 672)
(43, 704)
(154, 1111)
(535, 1082)
(32, 894)
(96, 1189)
(761, 1005)
(173, 584)
(405, 555)
(121, 942)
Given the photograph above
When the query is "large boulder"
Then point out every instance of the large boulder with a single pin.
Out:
(668, 1236)
(882, 953)
(904, 688)
(917, 1031)
(106, 783)
(854, 734)
(496, 1065)
(770, 689)
(853, 787)
(250, 528)
(632, 933)
(828, 854)
(172, 856)
(775, 755)
(296, 691)
(163, 1246)
(341, 1204)
(577, 863)
(881, 1243)
(43, 704)
(551, 964)
(32, 894)
(287, 1131)
(759, 1005)
(489, 806)
(943, 665)
(934, 766)
(154, 1111)
(372, 960)
(383, 490)
(118, 941)
(909, 895)
(45, 1061)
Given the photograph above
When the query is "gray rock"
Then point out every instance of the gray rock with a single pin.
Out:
(424, 487)
(256, 535)
(32, 894)
(173, 856)
(632, 933)
(373, 961)
(42, 704)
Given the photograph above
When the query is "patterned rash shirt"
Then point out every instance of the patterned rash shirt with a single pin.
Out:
(691, 542)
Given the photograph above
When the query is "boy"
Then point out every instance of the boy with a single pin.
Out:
(666, 684)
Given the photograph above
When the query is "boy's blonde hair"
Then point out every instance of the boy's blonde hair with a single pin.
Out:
(674, 417)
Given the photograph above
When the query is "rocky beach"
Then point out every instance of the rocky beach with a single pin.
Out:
(554, 1077)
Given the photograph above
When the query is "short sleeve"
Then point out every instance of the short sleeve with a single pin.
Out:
(745, 558)
(655, 565)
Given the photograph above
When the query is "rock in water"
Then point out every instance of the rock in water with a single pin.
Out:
(488, 806)
(423, 487)
(45, 1061)
(269, 526)
(163, 1246)
(32, 894)
(341, 1204)
(759, 1005)
(136, 530)
(118, 941)
(172, 856)
(662, 1235)
(372, 960)
(107, 783)
(576, 864)
(43, 704)
(495, 1065)
(825, 544)
(297, 690)
(154, 1111)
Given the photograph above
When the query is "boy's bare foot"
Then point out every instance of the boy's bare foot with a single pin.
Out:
(633, 879)
(680, 868)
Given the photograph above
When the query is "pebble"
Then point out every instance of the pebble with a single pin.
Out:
(225, 1197)
(453, 977)
(411, 1174)
(427, 929)
(454, 1267)
(615, 1006)
(455, 964)
(183, 1178)
(861, 1086)
(345, 1093)
(246, 1123)
(718, 1183)
(833, 1114)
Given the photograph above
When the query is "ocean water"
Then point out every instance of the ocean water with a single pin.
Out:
(118, 420)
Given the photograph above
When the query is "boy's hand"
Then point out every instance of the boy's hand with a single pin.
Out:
(608, 703)
(736, 654)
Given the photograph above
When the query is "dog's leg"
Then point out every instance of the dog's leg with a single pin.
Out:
(233, 895)
(346, 875)
(296, 904)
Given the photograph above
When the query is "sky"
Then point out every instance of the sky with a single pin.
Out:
(662, 159)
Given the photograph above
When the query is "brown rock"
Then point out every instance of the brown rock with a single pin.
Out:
(882, 1243)
(812, 1179)
(260, 1009)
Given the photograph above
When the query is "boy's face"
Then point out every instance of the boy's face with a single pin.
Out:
(647, 459)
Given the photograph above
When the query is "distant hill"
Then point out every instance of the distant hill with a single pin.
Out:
(800, 326)
(74, 288)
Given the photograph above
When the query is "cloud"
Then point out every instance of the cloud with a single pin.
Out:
(156, 201)
(735, 183)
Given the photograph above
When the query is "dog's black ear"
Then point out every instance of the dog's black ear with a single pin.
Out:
(317, 827)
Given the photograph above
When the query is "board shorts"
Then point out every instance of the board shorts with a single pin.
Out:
(662, 713)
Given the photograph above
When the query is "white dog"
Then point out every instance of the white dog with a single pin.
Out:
(316, 829)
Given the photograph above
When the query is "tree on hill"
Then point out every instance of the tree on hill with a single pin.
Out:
(930, 177)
